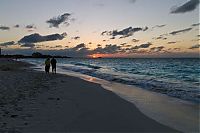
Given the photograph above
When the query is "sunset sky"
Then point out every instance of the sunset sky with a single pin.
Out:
(106, 28)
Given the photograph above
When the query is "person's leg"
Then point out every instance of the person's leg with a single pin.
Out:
(48, 68)
(54, 69)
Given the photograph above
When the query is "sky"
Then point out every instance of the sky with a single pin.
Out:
(100, 28)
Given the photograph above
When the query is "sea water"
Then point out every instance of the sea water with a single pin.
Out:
(178, 78)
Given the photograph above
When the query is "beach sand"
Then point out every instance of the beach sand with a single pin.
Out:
(32, 101)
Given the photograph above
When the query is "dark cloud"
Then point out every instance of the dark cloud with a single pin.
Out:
(112, 38)
(78, 51)
(135, 40)
(4, 28)
(28, 45)
(146, 28)
(108, 49)
(31, 26)
(197, 24)
(127, 45)
(76, 37)
(180, 31)
(124, 33)
(16, 26)
(146, 45)
(171, 42)
(123, 44)
(30, 30)
(160, 38)
(159, 26)
(82, 51)
(98, 45)
(157, 49)
(103, 33)
(57, 21)
(186, 7)
(6, 44)
(197, 46)
(57, 46)
(36, 38)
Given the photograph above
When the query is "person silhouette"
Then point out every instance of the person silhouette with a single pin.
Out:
(53, 64)
(47, 65)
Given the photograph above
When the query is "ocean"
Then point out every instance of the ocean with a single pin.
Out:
(178, 78)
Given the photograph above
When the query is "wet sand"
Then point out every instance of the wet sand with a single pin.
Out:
(32, 101)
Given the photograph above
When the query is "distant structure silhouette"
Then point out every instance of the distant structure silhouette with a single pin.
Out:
(47, 65)
(53, 65)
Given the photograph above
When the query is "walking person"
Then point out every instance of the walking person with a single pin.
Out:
(53, 64)
(47, 65)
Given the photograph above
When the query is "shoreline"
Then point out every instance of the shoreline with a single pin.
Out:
(40, 102)
(169, 111)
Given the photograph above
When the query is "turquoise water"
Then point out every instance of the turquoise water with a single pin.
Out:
(178, 78)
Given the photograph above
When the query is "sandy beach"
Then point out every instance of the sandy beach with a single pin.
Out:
(32, 101)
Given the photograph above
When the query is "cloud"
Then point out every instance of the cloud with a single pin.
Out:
(31, 26)
(57, 21)
(159, 26)
(57, 46)
(78, 51)
(146, 28)
(36, 38)
(160, 38)
(177, 49)
(197, 46)
(103, 33)
(171, 42)
(197, 24)
(79, 46)
(186, 7)
(28, 45)
(108, 49)
(112, 38)
(4, 28)
(135, 40)
(81, 50)
(76, 37)
(123, 44)
(146, 45)
(6, 44)
(157, 49)
(98, 45)
(124, 33)
(180, 31)
(16, 26)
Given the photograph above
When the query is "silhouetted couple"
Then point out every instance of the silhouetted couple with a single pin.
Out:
(51, 63)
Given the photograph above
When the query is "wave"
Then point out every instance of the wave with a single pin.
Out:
(156, 75)
(178, 90)
(87, 65)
